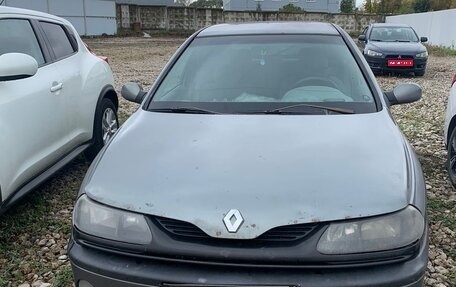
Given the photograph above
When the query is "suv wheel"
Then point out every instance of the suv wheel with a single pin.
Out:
(106, 125)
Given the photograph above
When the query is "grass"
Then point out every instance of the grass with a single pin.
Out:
(64, 277)
(33, 219)
(440, 51)
(443, 212)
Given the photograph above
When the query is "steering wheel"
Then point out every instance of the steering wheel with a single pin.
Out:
(315, 81)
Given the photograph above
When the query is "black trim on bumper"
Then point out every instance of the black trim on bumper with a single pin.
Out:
(101, 268)
(380, 65)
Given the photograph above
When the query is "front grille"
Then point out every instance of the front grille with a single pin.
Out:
(397, 57)
(181, 228)
(278, 234)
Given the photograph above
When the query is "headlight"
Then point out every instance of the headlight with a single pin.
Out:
(422, 55)
(374, 53)
(110, 223)
(374, 234)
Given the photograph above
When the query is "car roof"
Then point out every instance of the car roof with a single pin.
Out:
(390, 25)
(259, 28)
(30, 13)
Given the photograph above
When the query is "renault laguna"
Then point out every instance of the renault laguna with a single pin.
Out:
(265, 154)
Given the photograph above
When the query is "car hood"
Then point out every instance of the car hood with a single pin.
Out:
(411, 48)
(275, 169)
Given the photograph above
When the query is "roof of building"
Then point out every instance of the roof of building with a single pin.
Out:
(270, 28)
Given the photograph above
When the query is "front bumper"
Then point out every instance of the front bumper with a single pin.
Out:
(100, 268)
(380, 65)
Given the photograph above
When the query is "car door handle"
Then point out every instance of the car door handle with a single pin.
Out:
(56, 87)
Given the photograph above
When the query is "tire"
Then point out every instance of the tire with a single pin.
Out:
(420, 73)
(451, 158)
(105, 125)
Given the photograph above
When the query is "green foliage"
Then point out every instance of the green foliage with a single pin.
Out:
(440, 51)
(207, 4)
(290, 8)
(64, 277)
(422, 5)
(406, 6)
(346, 6)
(185, 3)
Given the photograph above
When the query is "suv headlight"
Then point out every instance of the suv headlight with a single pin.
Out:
(422, 55)
(110, 223)
(381, 233)
(374, 53)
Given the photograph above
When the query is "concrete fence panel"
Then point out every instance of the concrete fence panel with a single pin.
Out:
(438, 26)
(184, 19)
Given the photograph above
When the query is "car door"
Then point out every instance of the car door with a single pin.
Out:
(32, 110)
(68, 62)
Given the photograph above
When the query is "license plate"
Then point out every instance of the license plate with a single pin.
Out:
(400, 63)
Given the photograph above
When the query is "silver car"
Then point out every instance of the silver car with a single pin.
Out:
(265, 154)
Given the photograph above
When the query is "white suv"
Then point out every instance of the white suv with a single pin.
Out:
(450, 133)
(56, 100)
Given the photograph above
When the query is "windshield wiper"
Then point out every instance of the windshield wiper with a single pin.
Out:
(403, 41)
(189, 110)
(377, 40)
(324, 108)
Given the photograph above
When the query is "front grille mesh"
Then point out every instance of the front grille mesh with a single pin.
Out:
(397, 57)
(278, 234)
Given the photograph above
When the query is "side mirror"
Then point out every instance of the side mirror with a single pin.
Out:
(404, 94)
(16, 66)
(362, 38)
(133, 92)
(423, 39)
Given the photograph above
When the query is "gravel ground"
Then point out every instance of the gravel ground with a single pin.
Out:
(34, 234)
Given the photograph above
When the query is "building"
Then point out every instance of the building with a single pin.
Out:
(327, 6)
(89, 17)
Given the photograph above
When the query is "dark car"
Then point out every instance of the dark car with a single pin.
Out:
(394, 48)
(265, 154)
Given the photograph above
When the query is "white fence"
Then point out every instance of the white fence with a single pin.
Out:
(89, 17)
(438, 26)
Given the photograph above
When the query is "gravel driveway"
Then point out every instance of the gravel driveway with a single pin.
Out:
(34, 234)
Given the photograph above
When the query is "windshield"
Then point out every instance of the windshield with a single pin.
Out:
(393, 34)
(248, 74)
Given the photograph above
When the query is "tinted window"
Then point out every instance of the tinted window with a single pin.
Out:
(393, 34)
(227, 73)
(17, 36)
(58, 39)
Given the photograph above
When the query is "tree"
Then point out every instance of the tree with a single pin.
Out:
(207, 4)
(368, 6)
(422, 6)
(185, 3)
(290, 8)
(346, 6)
(440, 4)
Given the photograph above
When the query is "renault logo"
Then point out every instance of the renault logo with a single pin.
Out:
(233, 220)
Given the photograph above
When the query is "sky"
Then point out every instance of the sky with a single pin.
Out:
(359, 2)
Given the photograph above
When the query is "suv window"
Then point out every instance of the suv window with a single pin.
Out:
(58, 38)
(17, 36)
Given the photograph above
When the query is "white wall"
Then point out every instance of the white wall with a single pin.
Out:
(438, 26)
(89, 17)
